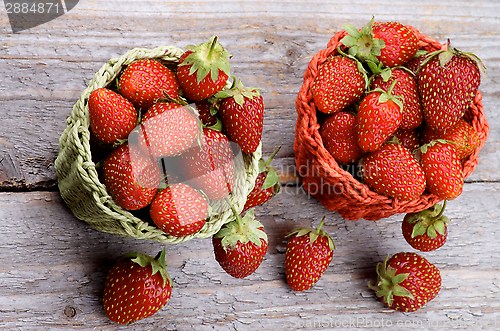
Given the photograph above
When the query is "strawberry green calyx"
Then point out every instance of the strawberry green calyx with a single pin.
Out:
(157, 263)
(386, 96)
(431, 221)
(272, 177)
(314, 234)
(388, 283)
(361, 43)
(241, 230)
(445, 56)
(207, 57)
(239, 92)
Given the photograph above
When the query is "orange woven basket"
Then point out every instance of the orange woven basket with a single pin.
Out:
(337, 189)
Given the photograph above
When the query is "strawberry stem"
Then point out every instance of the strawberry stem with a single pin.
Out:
(321, 224)
(212, 47)
(268, 161)
(239, 221)
(440, 212)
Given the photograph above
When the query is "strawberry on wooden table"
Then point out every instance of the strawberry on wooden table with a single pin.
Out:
(167, 129)
(240, 245)
(179, 210)
(442, 168)
(266, 184)
(145, 81)
(339, 133)
(394, 172)
(406, 282)
(242, 115)
(111, 116)
(379, 116)
(448, 82)
(137, 287)
(426, 230)
(209, 166)
(131, 177)
(308, 255)
(203, 69)
(340, 82)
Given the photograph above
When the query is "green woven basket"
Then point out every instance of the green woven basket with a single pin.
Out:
(86, 196)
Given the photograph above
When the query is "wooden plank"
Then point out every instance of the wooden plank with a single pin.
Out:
(45, 69)
(53, 269)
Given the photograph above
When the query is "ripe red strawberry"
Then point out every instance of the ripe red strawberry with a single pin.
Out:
(266, 186)
(407, 138)
(179, 210)
(448, 83)
(137, 286)
(207, 113)
(131, 177)
(426, 230)
(240, 245)
(308, 255)
(145, 81)
(111, 116)
(462, 134)
(209, 166)
(394, 172)
(406, 282)
(167, 129)
(442, 168)
(203, 70)
(340, 82)
(340, 136)
(242, 114)
(390, 43)
(379, 116)
(406, 88)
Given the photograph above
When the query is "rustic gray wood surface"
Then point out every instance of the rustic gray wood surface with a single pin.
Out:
(53, 266)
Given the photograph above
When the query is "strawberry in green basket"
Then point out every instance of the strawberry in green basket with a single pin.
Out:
(340, 82)
(308, 255)
(179, 210)
(266, 184)
(426, 230)
(448, 82)
(240, 245)
(242, 114)
(406, 282)
(145, 81)
(111, 116)
(131, 177)
(137, 286)
(203, 69)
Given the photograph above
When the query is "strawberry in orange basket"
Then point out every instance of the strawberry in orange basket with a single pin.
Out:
(394, 172)
(131, 177)
(379, 116)
(242, 114)
(390, 43)
(167, 129)
(137, 287)
(442, 168)
(406, 88)
(240, 245)
(266, 186)
(448, 83)
(209, 166)
(111, 116)
(340, 82)
(308, 255)
(426, 230)
(203, 69)
(407, 138)
(406, 282)
(339, 133)
(145, 81)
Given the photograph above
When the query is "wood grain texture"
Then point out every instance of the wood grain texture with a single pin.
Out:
(53, 266)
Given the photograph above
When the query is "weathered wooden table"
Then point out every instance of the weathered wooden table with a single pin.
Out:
(53, 266)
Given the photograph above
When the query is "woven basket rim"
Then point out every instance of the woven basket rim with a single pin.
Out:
(366, 203)
(77, 132)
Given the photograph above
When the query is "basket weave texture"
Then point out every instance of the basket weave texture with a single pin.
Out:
(337, 189)
(86, 196)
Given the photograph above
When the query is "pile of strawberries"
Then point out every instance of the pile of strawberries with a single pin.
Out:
(397, 113)
(165, 139)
